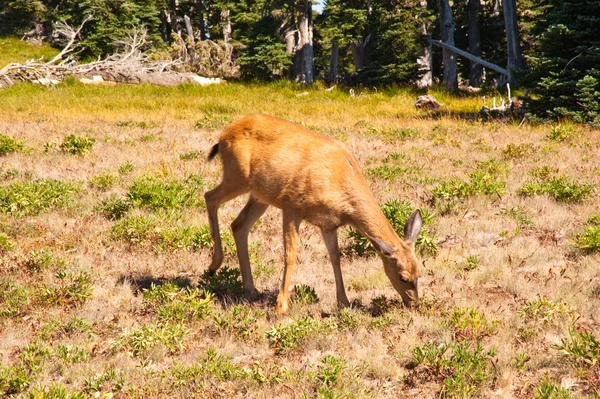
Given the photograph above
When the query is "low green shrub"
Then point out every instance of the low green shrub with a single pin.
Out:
(10, 145)
(155, 193)
(104, 181)
(582, 346)
(113, 207)
(287, 337)
(464, 366)
(77, 145)
(560, 189)
(6, 244)
(305, 294)
(562, 133)
(141, 340)
(516, 151)
(27, 198)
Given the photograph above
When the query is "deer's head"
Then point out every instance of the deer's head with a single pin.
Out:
(400, 263)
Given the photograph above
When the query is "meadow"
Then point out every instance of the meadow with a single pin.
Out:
(104, 247)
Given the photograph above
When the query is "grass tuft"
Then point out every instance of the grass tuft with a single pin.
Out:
(26, 198)
(77, 145)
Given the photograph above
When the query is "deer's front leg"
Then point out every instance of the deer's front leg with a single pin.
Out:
(291, 224)
(331, 242)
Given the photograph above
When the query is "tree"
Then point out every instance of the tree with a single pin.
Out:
(564, 75)
(447, 29)
(513, 42)
(475, 69)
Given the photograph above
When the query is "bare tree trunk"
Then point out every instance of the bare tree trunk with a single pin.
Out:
(425, 60)
(447, 27)
(333, 61)
(189, 29)
(226, 21)
(360, 52)
(513, 41)
(201, 21)
(475, 69)
(165, 26)
(174, 6)
(304, 72)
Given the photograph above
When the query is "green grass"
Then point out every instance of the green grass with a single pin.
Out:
(561, 188)
(25, 198)
(10, 145)
(15, 50)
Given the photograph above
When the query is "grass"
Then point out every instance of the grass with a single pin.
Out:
(104, 289)
(15, 50)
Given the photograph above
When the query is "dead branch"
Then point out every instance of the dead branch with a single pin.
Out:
(63, 29)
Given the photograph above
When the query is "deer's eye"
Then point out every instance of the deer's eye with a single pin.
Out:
(403, 279)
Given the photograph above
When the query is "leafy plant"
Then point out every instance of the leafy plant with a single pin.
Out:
(126, 167)
(516, 151)
(32, 197)
(464, 366)
(9, 145)
(77, 145)
(170, 336)
(581, 345)
(305, 294)
(151, 192)
(563, 133)
(548, 389)
(104, 181)
(544, 309)
(226, 282)
(212, 121)
(188, 156)
(470, 324)
(113, 207)
(172, 303)
(589, 240)
(331, 370)
(6, 245)
(43, 259)
(284, 338)
(559, 188)
(239, 321)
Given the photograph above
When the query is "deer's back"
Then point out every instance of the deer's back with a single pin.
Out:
(285, 165)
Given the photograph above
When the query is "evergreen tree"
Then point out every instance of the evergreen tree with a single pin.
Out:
(564, 74)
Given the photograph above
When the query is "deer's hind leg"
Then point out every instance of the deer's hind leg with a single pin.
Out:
(253, 210)
(224, 192)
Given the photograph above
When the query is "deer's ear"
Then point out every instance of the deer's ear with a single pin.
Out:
(412, 228)
(382, 247)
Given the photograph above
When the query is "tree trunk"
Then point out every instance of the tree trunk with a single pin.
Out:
(449, 59)
(425, 60)
(360, 52)
(304, 72)
(201, 22)
(333, 61)
(189, 29)
(513, 41)
(226, 21)
(174, 6)
(475, 69)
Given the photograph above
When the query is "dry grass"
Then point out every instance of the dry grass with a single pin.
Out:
(90, 308)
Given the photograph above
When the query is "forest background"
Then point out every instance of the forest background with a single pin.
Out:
(550, 47)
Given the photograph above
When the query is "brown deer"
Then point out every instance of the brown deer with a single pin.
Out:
(309, 177)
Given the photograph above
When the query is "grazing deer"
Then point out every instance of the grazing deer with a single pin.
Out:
(309, 177)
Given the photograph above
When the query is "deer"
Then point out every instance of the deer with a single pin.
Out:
(312, 178)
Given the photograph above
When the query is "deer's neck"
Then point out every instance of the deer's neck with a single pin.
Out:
(370, 221)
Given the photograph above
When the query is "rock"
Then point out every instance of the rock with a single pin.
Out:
(427, 102)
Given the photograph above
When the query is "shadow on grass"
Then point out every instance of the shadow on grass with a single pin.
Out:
(225, 285)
